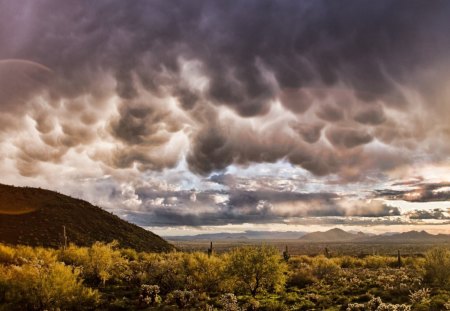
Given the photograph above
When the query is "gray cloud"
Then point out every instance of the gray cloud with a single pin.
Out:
(193, 208)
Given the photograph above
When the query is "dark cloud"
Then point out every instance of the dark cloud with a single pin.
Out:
(428, 214)
(330, 113)
(348, 137)
(309, 132)
(419, 192)
(372, 115)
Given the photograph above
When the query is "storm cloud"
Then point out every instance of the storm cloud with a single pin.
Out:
(345, 70)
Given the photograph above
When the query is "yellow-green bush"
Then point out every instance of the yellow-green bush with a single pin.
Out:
(33, 286)
(101, 262)
(7, 254)
(256, 269)
(437, 267)
(323, 267)
(376, 262)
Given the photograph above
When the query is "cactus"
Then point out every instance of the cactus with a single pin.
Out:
(399, 259)
(149, 294)
(210, 249)
(65, 237)
(286, 254)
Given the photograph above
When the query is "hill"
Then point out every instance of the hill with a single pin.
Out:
(333, 235)
(411, 237)
(36, 217)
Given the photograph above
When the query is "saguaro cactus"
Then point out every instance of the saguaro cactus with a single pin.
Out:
(65, 237)
(210, 249)
(286, 254)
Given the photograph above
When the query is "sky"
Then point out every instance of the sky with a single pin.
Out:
(209, 116)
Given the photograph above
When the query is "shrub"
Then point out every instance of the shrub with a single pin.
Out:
(376, 304)
(437, 267)
(349, 262)
(273, 305)
(165, 270)
(229, 302)
(256, 269)
(377, 262)
(7, 254)
(324, 268)
(182, 298)
(420, 296)
(36, 287)
(205, 272)
(301, 278)
(101, 262)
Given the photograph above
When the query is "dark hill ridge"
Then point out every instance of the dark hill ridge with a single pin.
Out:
(36, 217)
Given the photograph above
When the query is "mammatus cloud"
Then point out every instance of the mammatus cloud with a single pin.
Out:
(344, 80)
(351, 93)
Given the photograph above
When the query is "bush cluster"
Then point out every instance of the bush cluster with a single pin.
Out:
(107, 277)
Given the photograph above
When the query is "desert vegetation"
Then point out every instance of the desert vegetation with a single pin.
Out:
(108, 277)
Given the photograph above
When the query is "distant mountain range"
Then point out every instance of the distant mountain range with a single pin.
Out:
(247, 235)
(412, 237)
(36, 217)
(331, 236)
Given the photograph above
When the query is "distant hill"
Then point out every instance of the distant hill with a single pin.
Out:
(338, 235)
(247, 235)
(411, 237)
(333, 235)
(36, 217)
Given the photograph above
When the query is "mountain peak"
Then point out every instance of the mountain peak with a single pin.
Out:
(332, 235)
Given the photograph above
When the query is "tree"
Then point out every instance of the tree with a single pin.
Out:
(256, 268)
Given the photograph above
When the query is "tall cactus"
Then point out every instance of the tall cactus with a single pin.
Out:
(65, 237)
(286, 254)
(210, 249)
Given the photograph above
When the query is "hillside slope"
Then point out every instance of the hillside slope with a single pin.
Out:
(32, 216)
